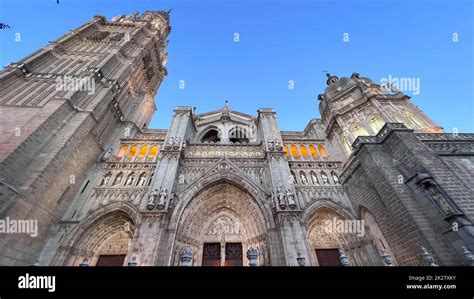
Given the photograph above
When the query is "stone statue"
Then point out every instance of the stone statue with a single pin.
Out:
(325, 178)
(151, 199)
(303, 179)
(335, 178)
(291, 199)
(172, 197)
(281, 198)
(129, 180)
(314, 178)
(161, 201)
(273, 198)
(117, 180)
(181, 179)
(107, 154)
(142, 180)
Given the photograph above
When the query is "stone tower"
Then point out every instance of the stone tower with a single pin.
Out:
(401, 167)
(65, 107)
(356, 106)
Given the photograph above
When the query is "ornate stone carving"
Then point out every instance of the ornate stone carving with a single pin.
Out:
(173, 143)
(224, 226)
(274, 145)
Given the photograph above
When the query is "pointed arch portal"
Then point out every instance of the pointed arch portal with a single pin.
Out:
(220, 223)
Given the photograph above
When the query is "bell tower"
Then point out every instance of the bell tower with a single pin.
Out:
(65, 107)
(357, 106)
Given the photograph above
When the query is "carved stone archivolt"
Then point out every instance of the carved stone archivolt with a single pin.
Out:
(220, 210)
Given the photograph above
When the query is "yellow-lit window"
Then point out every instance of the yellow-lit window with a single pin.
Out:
(285, 149)
(375, 123)
(143, 151)
(322, 151)
(358, 130)
(294, 151)
(153, 151)
(132, 152)
(313, 151)
(303, 150)
(123, 149)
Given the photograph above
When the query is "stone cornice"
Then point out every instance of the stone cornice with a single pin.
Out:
(427, 137)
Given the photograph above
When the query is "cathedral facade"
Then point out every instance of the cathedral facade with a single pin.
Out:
(373, 182)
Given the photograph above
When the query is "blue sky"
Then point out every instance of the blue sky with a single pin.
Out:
(282, 41)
